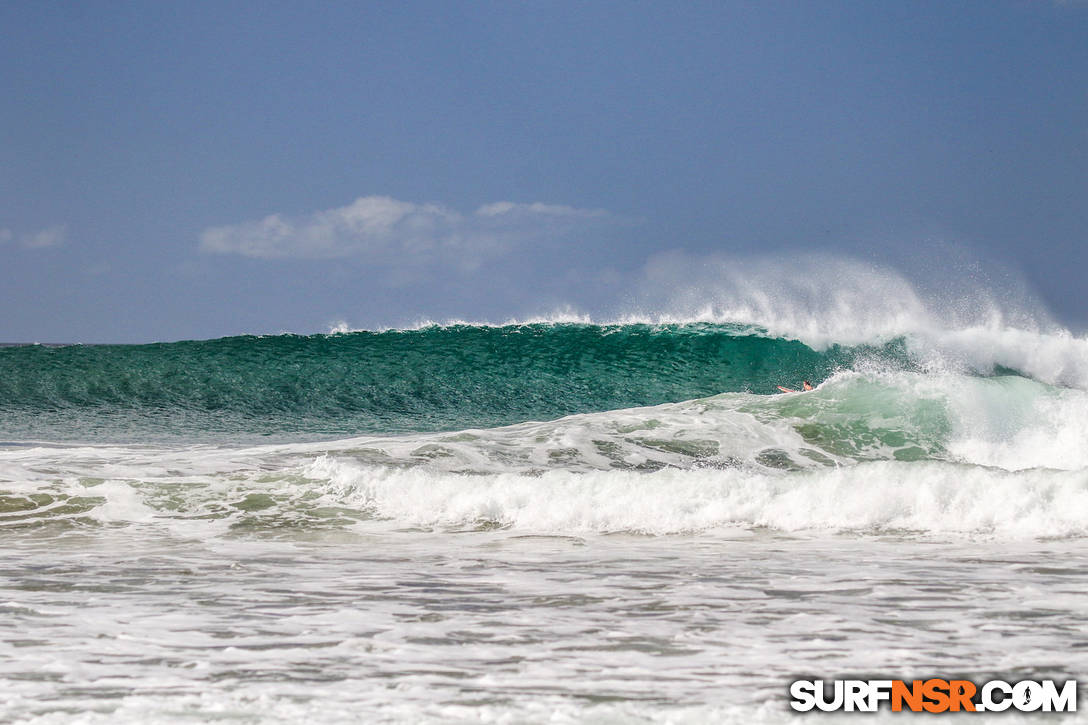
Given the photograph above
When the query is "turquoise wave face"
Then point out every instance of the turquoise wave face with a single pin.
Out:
(432, 379)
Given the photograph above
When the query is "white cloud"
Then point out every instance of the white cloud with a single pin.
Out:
(49, 237)
(500, 208)
(383, 230)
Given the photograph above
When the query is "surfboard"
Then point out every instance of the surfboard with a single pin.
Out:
(788, 390)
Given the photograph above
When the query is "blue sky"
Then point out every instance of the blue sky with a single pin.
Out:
(197, 169)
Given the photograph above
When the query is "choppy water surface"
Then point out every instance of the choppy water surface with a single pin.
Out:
(412, 626)
(677, 548)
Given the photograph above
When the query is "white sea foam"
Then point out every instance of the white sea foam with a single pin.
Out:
(1016, 424)
(932, 498)
(935, 498)
(867, 451)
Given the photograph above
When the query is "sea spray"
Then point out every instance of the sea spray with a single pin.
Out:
(508, 522)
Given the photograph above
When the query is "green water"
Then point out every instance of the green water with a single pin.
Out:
(436, 378)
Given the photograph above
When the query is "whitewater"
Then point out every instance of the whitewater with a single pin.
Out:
(560, 520)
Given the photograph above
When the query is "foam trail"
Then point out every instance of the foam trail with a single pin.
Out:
(882, 496)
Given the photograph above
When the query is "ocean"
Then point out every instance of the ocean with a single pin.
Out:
(551, 521)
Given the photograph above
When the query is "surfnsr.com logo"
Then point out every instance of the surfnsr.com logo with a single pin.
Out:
(933, 695)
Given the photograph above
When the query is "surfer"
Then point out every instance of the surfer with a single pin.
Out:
(806, 385)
